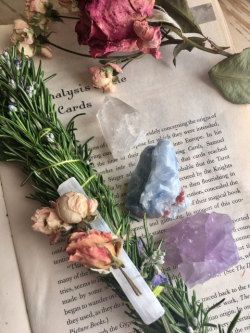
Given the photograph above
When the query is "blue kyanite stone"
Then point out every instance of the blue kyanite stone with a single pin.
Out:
(154, 188)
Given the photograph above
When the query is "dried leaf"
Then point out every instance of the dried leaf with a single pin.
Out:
(231, 76)
(181, 13)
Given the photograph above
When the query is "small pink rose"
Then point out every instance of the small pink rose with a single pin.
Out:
(36, 6)
(95, 249)
(46, 221)
(28, 50)
(74, 207)
(23, 37)
(103, 76)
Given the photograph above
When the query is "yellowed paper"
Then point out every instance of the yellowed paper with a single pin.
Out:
(212, 140)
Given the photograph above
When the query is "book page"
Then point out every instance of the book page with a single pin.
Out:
(211, 137)
(12, 306)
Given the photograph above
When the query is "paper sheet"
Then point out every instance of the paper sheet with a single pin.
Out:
(212, 142)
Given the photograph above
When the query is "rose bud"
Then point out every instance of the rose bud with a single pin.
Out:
(23, 37)
(95, 249)
(36, 6)
(103, 77)
(47, 222)
(74, 207)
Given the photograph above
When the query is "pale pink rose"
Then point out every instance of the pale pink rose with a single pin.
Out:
(92, 207)
(46, 52)
(23, 37)
(22, 32)
(46, 221)
(36, 6)
(149, 40)
(74, 207)
(103, 77)
(28, 50)
(95, 249)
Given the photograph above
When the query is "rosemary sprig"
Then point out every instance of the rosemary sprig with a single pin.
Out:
(32, 136)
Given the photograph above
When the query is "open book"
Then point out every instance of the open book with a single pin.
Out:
(212, 140)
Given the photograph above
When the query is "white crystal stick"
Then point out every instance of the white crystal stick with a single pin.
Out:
(145, 304)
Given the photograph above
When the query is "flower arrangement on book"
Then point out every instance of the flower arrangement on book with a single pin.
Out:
(51, 156)
(118, 32)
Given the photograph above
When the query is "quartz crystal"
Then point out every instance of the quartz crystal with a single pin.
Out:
(121, 126)
(201, 246)
(155, 187)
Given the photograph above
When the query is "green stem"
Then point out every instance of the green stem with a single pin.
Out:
(165, 325)
(112, 58)
(215, 50)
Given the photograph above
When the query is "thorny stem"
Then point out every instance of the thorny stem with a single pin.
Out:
(218, 48)
(215, 50)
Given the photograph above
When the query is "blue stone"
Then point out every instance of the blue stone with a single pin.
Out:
(155, 188)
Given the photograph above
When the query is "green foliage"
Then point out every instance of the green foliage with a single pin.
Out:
(181, 13)
(232, 77)
(32, 136)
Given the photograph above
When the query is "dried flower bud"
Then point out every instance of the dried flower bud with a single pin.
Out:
(23, 37)
(47, 222)
(74, 207)
(103, 77)
(95, 249)
(36, 6)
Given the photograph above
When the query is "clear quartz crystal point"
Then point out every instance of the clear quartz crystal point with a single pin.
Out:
(146, 304)
(121, 126)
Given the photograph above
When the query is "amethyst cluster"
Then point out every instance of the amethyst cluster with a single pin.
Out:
(201, 246)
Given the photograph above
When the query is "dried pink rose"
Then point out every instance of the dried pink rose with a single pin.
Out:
(149, 38)
(74, 207)
(36, 6)
(46, 221)
(103, 77)
(108, 26)
(95, 249)
(23, 37)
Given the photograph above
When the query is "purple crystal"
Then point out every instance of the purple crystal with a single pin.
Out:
(201, 246)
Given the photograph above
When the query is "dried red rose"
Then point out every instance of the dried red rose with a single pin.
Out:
(108, 26)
